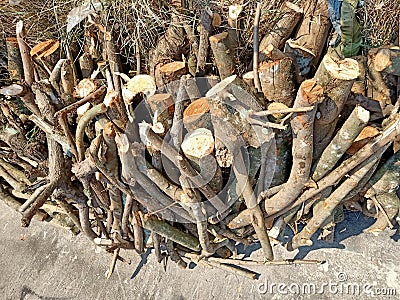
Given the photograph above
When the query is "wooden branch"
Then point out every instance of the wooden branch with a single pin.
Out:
(164, 229)
(369, 150)
(303, 238)
(13, 203)
(27, 61)
(172, 154)
(302, 126)
(336, 78)
(177, 123)
(383, 186)
(80, 128)
(25, 93)
(343, 139)
(257, 82)
(55, 160)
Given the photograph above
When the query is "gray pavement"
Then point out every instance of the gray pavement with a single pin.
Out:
(43, 262)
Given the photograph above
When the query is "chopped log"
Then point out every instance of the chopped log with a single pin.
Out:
(25, 93)
(164, 229)
(222, 54)
(277, 80)
(197, 115)
(272, 53)
(85, 87)
(309, 43)
(248, 78)
(337, 79)
(196, 146)
(341, 142)
(290, 16)
(302, 126)
(15, 67)
(67, 82)
(172, 71)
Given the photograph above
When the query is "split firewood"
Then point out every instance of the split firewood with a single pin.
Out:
(337, 78)
(290, 15)
(46, 53)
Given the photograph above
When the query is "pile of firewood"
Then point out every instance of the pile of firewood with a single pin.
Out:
(191, 158)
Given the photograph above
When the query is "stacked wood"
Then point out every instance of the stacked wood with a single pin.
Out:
(200, 163)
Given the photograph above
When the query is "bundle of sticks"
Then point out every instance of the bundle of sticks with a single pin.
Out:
(190, 163)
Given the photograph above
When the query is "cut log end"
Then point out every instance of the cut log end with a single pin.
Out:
(161, 102)
(346, 69)
(196, 109)
(198, 143)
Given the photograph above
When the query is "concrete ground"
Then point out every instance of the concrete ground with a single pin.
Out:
(43, 262)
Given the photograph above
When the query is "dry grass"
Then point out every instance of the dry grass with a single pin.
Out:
(380, 20)
(144, 21)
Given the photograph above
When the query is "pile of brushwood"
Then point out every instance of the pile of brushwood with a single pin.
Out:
(207, 141)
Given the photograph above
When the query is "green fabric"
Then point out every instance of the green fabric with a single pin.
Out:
(351, 29)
